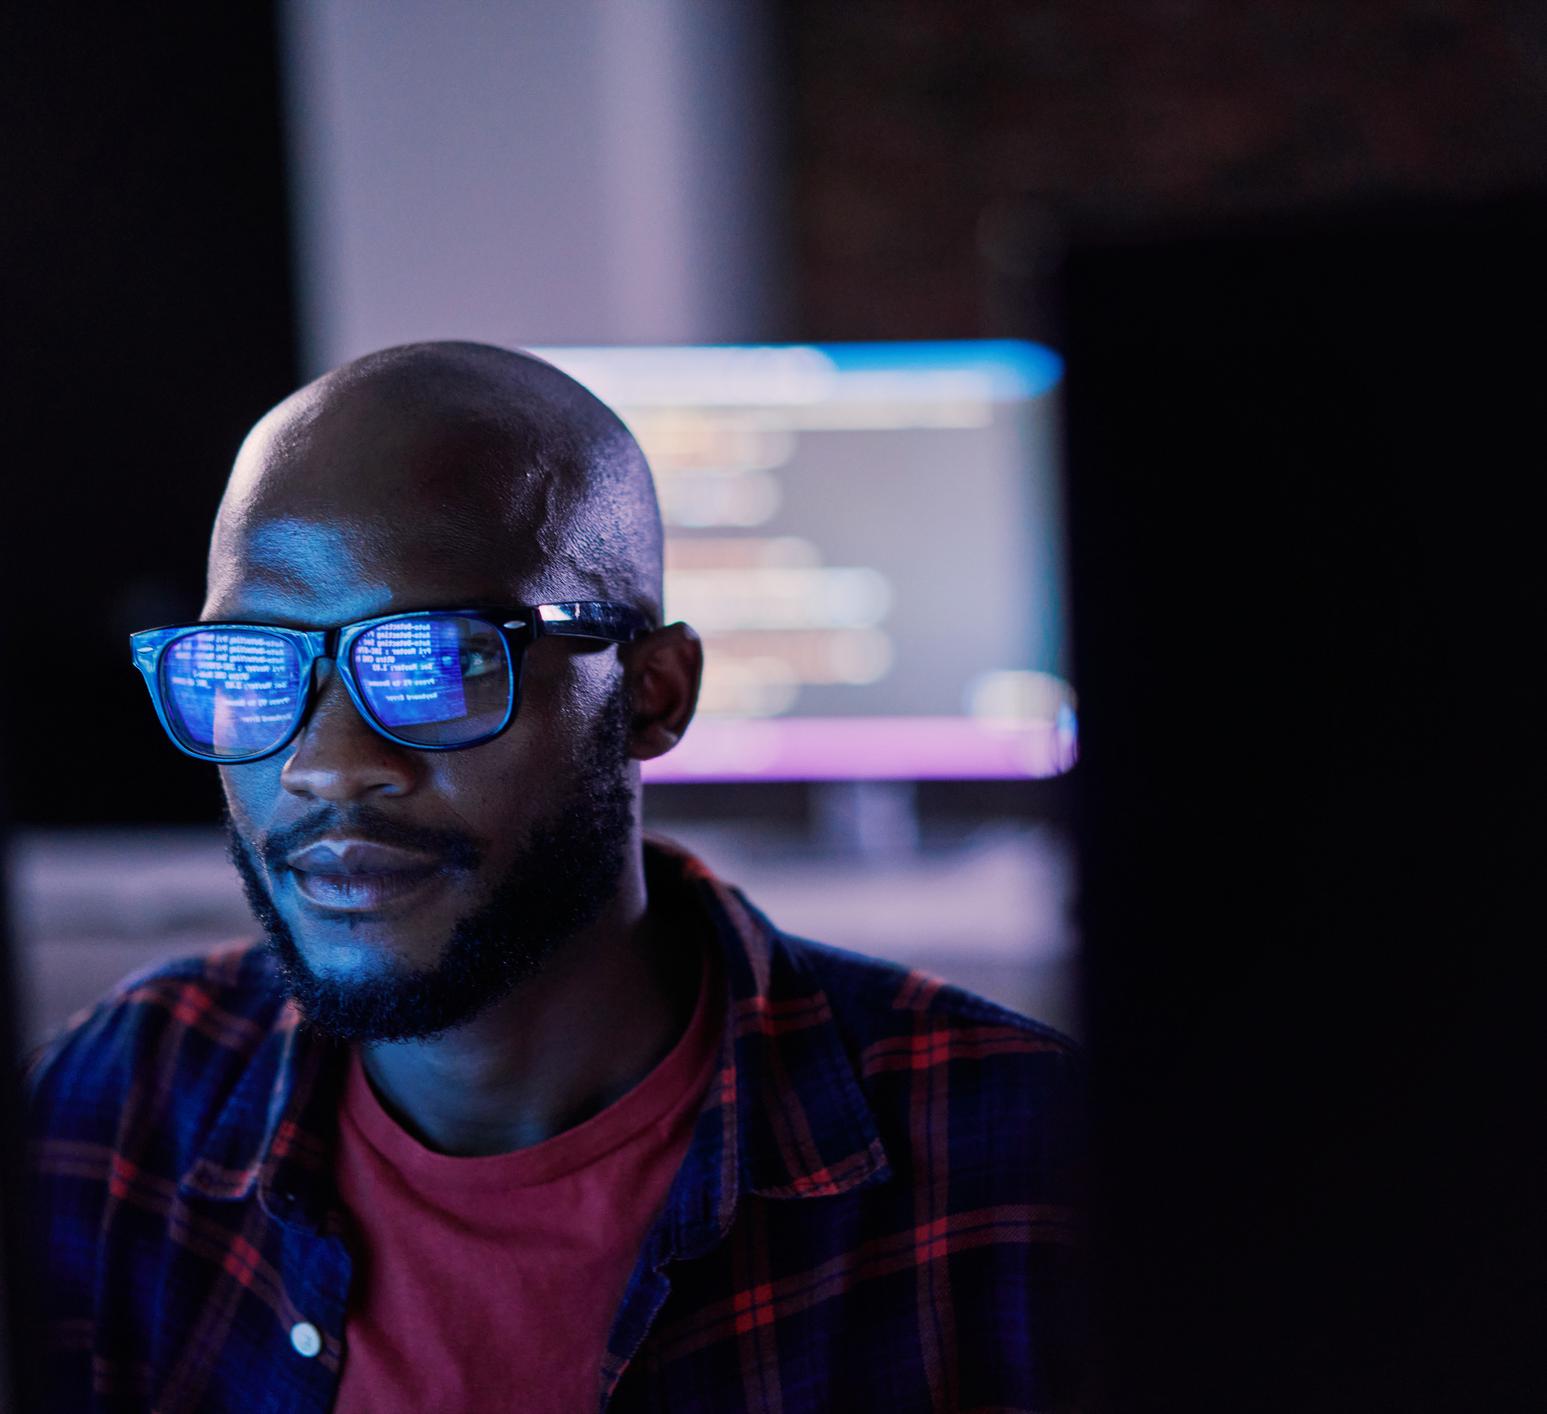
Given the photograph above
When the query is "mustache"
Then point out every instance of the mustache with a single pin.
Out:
(455, 849)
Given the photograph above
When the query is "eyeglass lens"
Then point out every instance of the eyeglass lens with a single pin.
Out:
(434, 681)
(229, 693)
(439, 681)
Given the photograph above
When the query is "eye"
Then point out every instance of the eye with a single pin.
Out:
(480, 658)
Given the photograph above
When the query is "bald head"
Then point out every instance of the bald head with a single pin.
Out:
(446, 465)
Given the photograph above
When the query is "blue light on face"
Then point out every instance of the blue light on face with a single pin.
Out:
(410, 671)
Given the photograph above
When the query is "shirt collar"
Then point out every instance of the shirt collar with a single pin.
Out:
(273, 1137)
(784, 1118)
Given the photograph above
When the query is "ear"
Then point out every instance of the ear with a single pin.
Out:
(663, 669)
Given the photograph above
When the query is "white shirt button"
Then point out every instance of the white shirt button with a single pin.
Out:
(303, 1335)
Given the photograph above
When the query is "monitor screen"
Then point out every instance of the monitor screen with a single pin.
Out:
(869, 538)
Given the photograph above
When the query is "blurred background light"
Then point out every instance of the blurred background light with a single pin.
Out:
(755, 202)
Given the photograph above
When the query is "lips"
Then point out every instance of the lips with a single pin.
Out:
(350, 875)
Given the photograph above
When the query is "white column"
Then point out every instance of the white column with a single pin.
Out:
(531, 171)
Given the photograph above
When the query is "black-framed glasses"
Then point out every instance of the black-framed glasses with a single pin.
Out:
(436, 680)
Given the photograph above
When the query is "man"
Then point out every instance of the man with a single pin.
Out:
(513, 1108)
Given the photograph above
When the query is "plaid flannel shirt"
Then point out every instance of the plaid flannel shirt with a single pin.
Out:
(874, 1210)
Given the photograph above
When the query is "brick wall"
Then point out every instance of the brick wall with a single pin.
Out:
(936, 142)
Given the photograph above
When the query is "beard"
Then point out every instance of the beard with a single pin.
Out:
(562, 876)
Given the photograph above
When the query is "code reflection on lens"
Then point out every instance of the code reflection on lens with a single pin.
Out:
(230, 693)
(410, 670)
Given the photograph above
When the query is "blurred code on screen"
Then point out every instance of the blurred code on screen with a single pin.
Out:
(869, 538)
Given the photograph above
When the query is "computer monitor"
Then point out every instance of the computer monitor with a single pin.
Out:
(869, 538)
(1307, 598)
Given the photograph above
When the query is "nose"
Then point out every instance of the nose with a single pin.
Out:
(338, 757)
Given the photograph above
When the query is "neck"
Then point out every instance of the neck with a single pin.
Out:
(604, 1010)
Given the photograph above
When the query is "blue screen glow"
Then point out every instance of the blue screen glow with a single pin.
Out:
(231, 692)
(411, 671)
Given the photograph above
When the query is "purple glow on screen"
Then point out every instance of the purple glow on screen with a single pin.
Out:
(866, 749)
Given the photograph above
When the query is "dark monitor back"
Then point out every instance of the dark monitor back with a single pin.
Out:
(1307, 637)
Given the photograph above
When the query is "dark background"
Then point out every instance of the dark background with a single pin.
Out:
(939, 149)
(1308, 589)
(149, 322)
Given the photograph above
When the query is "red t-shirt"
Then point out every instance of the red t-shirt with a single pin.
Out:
(491, 1283)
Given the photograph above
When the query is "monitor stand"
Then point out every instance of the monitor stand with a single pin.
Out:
(865, 819)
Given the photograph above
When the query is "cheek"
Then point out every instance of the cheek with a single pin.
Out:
(497, 790)
(501, 788)
(251, 793)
